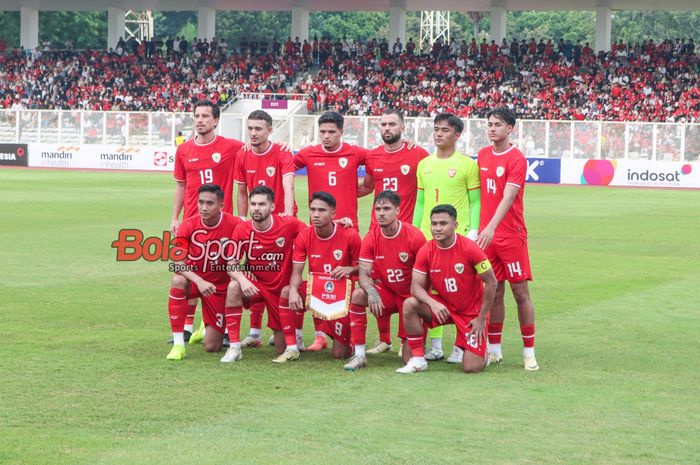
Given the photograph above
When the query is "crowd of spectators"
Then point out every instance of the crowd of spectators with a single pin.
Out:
(645, 81)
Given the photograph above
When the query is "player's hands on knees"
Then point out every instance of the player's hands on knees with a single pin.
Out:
(249, 289)
(478, 329)
(341, 272)
(295, 301)
(206, 288)
(376, 306)
(485, 237)
(174, 225)
(344, 222)
(440, 313)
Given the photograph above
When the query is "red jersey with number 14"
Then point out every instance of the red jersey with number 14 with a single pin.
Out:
(452, 273)
(212, 163)
(496, 170)
(334, 172)
(392, 257)
(396, 171)
(270, 260)
(342, 248)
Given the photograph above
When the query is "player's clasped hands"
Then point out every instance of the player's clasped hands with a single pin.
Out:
(206, 288)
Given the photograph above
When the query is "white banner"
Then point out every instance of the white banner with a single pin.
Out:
(106, 157)
(631, 173)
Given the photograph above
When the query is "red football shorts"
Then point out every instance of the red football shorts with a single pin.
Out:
(212, 306)
(461, 322)
(509, 258)
(393, 303)
(272, 303)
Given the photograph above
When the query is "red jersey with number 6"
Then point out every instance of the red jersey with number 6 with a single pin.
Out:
(212, 163)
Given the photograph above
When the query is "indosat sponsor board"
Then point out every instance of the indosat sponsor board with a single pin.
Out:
(631, 173)
(108, 157)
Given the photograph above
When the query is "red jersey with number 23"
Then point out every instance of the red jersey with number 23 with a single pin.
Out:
(496, 170)
(212, 163)
(453, 273)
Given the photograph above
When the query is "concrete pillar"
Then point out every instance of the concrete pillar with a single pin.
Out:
(397, 25)
(206, 23)
(300, 23)
(603, 28)
(498, 23)
(29, 28)
(115, 26)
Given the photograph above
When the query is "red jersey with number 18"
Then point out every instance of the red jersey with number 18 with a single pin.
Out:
(393, 257)
(496, 170)
(334, 172)
(453, 273)
(212, 163)
(342, 248)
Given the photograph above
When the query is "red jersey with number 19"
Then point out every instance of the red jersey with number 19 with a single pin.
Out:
(396, 171)
(211, 163)
(393, 257)
(334, 172)
(453, 273)
(496, 170)
(342, 248)
(265, 169)
(270, 261)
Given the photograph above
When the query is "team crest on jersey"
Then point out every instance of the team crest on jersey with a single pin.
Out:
(338, 254)
(499, 171)
(329, 287)
(216, 156)
(343, 162)
(459, 268)
(270, 170)
(405, 169)
(451, 172)
(280, 242)
(403, 256)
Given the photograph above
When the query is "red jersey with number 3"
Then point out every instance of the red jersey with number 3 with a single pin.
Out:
(265, 169)
(334, 172)
(396, 171)
(342, 248)
(211, 163)
(496, 171)
(392, 257)
(452, 273)
(207, 246)
(271, 251)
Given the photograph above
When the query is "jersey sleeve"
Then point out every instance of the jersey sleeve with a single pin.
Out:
(422, 263)
(182, 239)
(477, 258)
(297, 226)
(179, 173)
(355, 245)
(239, 168)
(300, 160)
(239, 235)
(417, 241)
(361, 155)
(517, 171)
(300, 253)
(367, 248)
(472, 172)
(286, 163)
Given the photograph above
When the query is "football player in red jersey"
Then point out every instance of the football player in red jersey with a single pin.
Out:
(203, 240)
(267, 164)
(392, 166)
(331, 250)
(386, 260)
(452, 283)
(503, 237)
(332, 167)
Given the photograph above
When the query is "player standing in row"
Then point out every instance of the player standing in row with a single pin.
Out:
(202, 244)
(463, 287)
(332, 167)
(447, 177)
(270, 239)
(267, 164)
(207, 158)
(503, 237)
(386, 260)
(332, 251)
(392, 166)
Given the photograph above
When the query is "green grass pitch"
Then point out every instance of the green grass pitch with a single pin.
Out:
(85, 380)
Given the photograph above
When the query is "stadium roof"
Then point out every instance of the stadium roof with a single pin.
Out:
(356, 5)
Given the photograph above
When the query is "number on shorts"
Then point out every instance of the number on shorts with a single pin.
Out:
(471, 340)
(513, 268)
(219, 320)
(338, 328)
(394, 276)
(206, 176)
(451, 284)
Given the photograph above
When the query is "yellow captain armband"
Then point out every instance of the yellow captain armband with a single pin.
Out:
(482, 267)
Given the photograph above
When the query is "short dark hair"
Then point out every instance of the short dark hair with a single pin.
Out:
(393, 111)
(504, 114)
(390, 196)
(444, 208)
(262, 190)
(261, 115)
(213, 188)
(215, 110)
(452, 120)
(325, 197)
(332, 117)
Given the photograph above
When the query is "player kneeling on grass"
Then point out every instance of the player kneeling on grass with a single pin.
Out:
(203, 243)
(463, 288)
(332, 252)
